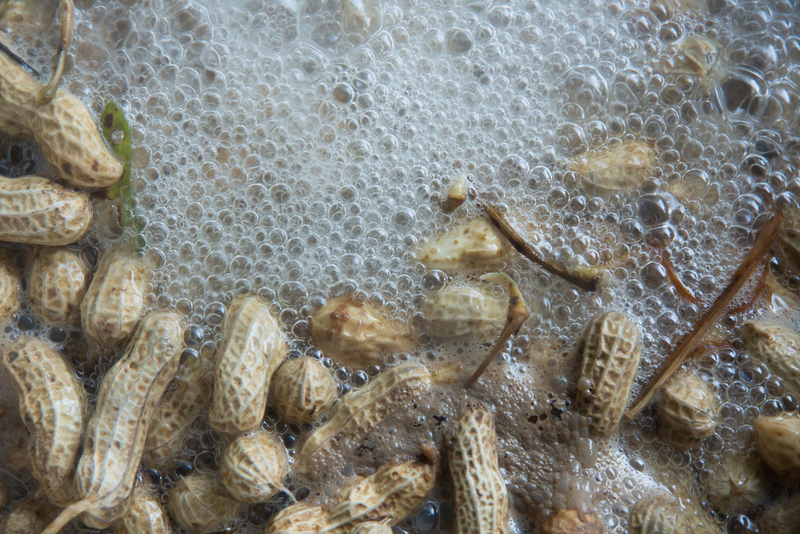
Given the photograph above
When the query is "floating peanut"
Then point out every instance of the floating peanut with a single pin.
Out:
(53, 405)
(145, 515)
(181, 405)
(688, 410)
(778, 347)
(64, 128)
(57, 281)
(621, 167)
(457, 311)
(610, 357)
(472, 245)
(657, 515)
(738, 483)
(253, 466)
(116, 433)
(114, 302)
(362, 410)
(778, 441)
(36, 211)
(303, 389)
(199, 503)
(697, 57)
(481, 499)
(28, 517)
(573, 522)
(251, 350)
(9, 286)
(354, 334)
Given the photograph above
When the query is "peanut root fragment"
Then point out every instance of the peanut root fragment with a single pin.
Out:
(49, 90)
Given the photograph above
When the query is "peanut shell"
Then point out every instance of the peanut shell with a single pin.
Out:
(253, 466)
(303, 390)
(145, 515)
(778, 441)
(469, 246)
(657, 515)
(57, 281)
(688, 410)
(199, 503)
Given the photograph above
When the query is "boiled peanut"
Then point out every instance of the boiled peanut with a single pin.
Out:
(253, 466)
(36, 211)
(116, 433)
(778, 347)
(251, 350)
(302, 519)
(657, 515)
(457, 311)
(472, 245)
(53, 406)
(372, 528)
(27, 517)
(481, 499)
(688, 410)
(457, 194)
(145, 515)
(181, 405)
(114, 302)
(697, 57)
(303, 389)
(610, 357)
(64, 128)
(362, 410)
(738, 483)
(353, 333)
(573, 522)
(198, 502)
(782, 517)
(57, 281)
(778, 441)
(9, 287)
(621, 167)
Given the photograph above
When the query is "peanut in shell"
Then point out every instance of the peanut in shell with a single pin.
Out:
(474, 245)
(199, 503)
(778, 441)
(457, 311)
(738, 483)
(688, 410)
(253, 466)
(661, 514)
(145, 515)
(303, 390)
(57, 282)
(573, 522)
(29, 516)
(10, 283)
(777, 347)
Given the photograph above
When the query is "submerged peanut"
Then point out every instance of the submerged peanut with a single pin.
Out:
(114, 302)
(36, 211)
(622, 167)
(778, 441)
(64, 128)
(198, 502)
(253, 466)
(469, 246)
(610, 351)
(778, 347)
(781, 517)
(573, 522)
(251, 350)
(145, 515)
(688, 410)
(303, 389)
(53, 405)
(27, 517)
(481, 499)
(9, 286)
(457, 311)
(57, 281)
(657, 515)
(738, 483)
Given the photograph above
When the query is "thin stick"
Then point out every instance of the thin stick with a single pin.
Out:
(682, 290)
(68, 514)
(762, 282)
(49, 91)
(589, 284)
(762, 245)
(518, 312)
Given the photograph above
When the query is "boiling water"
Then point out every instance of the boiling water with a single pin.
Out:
(301, 149)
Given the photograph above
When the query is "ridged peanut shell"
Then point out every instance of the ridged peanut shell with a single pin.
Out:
(30, 516)
(372, 527)
(688, 410)
(738, 483)
(145, 515)
(253, 466)
(621, 167)
(610, 352)
(469, 246)
(302, 390)
(114, 302)
(661, 514)
(199, 503)
(458, 311)
(782, 517)
(778, 441)
(9, 286)
(302, 519)
(57, 281)
(777, 347)
(36, 211)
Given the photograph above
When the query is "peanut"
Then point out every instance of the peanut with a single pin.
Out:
(57, 282)
(457, 311)
(781, 517)
(354, 334)
(457, 194)
(481, 499)
(36, 211)
(253, 466)
(199, 503)
(303, 390)
(657, 515)
(64, 128)
(181, 405)
(28, 517)
(610, 357)
(301, 519)
(114, 301)
(469, 246)
(116, 433)
(251, 350)
(688, 410)
(573, 522)
(697, 57)
(777, 347)
(621, 167)
(145, 515)
(372, 527)
(53, 406)
(778, 441)
(9, 286)
(739, 483)
(362, 410)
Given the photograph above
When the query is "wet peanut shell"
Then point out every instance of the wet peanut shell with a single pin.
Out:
(778, 347)
(302, 390)
(57, 281)
(9, 286)
(782, 517)
(573, 522)
(199, 503)
(253, 466)
(688, 410)
(621, 167)
(372, 527)
(472, 245)
(661, 514)
(778, 441)
(457, 311)
(145, 515)
(739, 483)
(29, 516)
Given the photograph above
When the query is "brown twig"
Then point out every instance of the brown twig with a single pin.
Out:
(49, 90)
(519, 243)
(705, 348)
(763, 244)
(518, 312)
(683, 291)
(762, 282)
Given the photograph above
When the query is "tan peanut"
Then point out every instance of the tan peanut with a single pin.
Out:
(778, 347)
(116, 433)
(181, 405)
(114, 302)
(688, 410)
(362, 410)
(781, 517)
(372, 527)
(57, 281)
(36, 211)
(302, 390)
(253, 466)
(738, 483)
(353, 333)
(251, 350)
(199, 503)
(661, 514)
(778, 441)
(145, 515)
(457, 311)
(469, 246)
(573, 522)
(28, 517)
(457, 194)
(610, 351)
(301, 519)
(66, 131)
(53, 406)
(9, 286)
(480, 495)
(621, 167)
